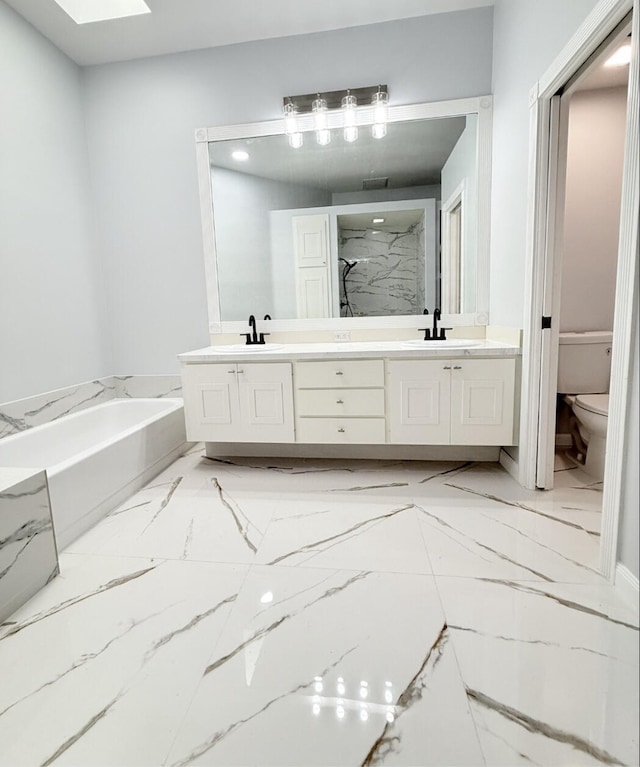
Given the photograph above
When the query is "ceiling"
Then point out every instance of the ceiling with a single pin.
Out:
(183, 25)
(411, 154)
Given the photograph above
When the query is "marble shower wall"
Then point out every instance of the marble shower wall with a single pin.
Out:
(388, 276)
(28, 556)
(23, 414)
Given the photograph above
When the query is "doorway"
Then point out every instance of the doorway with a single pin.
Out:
(550, 120)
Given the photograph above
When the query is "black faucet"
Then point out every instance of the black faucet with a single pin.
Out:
(442, 335)
(252, 338)
(427, 332)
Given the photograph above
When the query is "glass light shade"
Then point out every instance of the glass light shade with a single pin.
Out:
(290, 118)
(349, 104)
(295, 140)
(379, 130)
(323, 137)
(380, 103)
(350, 133)
(319, 109)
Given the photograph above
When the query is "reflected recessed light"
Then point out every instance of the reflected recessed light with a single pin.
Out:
(240, 155)
(87, 11)
(377, 221)
(621, 57)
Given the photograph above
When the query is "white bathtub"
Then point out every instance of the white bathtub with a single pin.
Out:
(97, 457)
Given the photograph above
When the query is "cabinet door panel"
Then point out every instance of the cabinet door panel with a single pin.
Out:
(419, 402)
(482, 400)
(266, 402)
(211, 402)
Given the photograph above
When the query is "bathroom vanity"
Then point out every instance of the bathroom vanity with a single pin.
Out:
(370, 393)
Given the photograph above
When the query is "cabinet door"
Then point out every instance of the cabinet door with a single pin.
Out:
(211, 402)
(266, 402)
(482, 400)
(419, 402)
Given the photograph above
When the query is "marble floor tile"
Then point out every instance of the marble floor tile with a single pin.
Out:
(320, 612)
(550, 670)
(331, 668)
(100, 666)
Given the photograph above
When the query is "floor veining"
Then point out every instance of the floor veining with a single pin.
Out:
(280, 612)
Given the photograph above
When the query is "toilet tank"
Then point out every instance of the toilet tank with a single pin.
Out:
(584, 362)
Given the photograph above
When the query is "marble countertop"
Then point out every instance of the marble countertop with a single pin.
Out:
(351, 349)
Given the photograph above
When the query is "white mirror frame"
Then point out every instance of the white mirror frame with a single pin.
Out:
(482, 106)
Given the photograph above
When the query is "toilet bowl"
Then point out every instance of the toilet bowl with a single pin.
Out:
(591, 412)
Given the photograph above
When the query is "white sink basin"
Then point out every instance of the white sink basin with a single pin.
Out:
(246, 348)
(453, 343)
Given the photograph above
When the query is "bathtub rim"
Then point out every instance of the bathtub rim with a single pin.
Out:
(173, 404)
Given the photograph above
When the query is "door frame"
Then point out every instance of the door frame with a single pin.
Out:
(537, 382)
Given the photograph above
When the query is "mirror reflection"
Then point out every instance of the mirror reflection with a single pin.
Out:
(379, 227)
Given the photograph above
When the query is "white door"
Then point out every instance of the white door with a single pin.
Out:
(482, 400)
(419, 402)
(311, 240)
(312, 292)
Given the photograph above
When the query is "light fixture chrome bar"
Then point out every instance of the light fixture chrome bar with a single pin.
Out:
(304, 103)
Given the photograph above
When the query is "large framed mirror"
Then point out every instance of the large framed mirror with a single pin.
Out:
(364, 234)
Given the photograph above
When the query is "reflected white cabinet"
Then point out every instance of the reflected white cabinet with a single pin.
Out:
(238, 402)
(312, 265)
(451, 402)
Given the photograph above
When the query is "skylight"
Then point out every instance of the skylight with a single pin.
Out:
(87, 11)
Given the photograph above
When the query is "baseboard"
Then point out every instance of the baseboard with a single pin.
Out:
(396, 452)
(509, 465)
(627, 584)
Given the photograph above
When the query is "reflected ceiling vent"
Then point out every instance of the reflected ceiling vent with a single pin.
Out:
(375, 183)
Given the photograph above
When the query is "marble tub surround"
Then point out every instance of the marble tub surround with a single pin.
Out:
(298, 612)
(28, 556)
(22, 414)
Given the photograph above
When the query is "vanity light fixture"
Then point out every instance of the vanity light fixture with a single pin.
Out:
(349, 104)
(621, 57)
(324, 108)
(240, 155)
(88, 11)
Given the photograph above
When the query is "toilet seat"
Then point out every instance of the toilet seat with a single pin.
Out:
(594, 403)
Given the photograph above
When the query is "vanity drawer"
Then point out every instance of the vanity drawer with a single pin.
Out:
(340, 402)
(335, 374)
(341, 430)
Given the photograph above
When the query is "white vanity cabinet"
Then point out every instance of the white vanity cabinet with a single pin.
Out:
(238, 402)
(451, 402)
(340, 401)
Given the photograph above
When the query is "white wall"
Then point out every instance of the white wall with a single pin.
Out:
(527, 36)
(52, 331)
(243, 204)
(595, 155)
(141, 117)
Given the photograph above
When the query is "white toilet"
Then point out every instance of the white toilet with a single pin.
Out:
(584, 369)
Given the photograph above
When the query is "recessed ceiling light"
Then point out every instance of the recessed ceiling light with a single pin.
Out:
(378, 221)
(621, 57)
(87, 11)
(240, 155)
